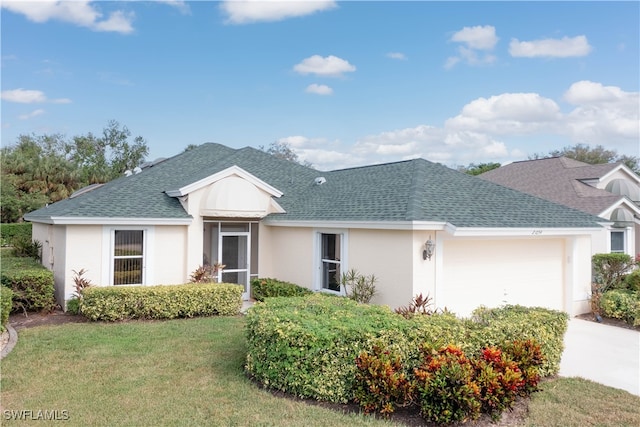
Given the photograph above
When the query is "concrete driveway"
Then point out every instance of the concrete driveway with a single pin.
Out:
(605, 354)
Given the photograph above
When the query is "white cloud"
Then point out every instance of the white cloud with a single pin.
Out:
(550, 48)
(500, 128)
(330, 66)
(476, 42)
(247, 11)
(479, 37)
(602, 113)
(319, 89)
(397, 55)
(25, 96)
(80, 12)
(32, 114)
(508, 113)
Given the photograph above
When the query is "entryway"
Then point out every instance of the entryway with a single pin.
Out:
(234, 245)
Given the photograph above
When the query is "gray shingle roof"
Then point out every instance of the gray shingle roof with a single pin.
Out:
(558, 179)
(414, 190)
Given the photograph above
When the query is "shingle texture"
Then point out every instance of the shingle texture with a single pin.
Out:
(414, 190)
(558, 179)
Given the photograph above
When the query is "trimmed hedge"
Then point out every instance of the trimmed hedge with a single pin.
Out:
(161, 302)
(307, 346)
(267, 288)
(491, 327)
(31, 283)
(6, 296)
(621, 304)
(14, 230)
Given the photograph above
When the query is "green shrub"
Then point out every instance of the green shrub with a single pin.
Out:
(10, 231)
(24, 247)
(160, 302)
(632, 281)
(6, 296)
(267, 288)
(492, 327)
(621, 304)
(446, 388)
(32, 286)
(307, 346)
(609, 270)
(73, 305)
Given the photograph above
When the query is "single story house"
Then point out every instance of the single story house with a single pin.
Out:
(610, 191)
(420, 227)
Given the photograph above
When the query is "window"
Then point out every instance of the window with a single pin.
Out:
(330, 257)
(128, 255)
(617, 241)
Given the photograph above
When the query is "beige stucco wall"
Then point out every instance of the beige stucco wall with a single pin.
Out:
(53, 239)
(286, 253)
(169, 256)
(389, 256)
(578, 251)
(84, 251)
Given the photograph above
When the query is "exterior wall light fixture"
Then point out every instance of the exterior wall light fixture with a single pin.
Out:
(428, 249)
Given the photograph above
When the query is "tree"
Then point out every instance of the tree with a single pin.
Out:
(108, 157)
(594, 156)
(477, 169)
(283, 150)
(41, 169)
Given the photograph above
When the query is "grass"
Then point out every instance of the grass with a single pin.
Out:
(569, 402)
(185, 372)
(188, 372)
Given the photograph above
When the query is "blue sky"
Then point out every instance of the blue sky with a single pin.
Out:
(344, 83)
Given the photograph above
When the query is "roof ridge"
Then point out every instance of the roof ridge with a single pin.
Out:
(376, 165)
(415, 200)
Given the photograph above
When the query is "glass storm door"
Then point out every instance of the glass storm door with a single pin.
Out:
(235, 257)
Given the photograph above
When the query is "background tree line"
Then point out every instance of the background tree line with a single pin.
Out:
(41, 169)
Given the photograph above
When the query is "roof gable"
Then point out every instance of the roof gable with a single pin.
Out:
(558, 179)
(228, 172)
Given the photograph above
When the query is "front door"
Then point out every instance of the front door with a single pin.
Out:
(234, 250)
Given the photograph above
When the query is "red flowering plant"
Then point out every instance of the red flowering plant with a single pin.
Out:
(381, 385)
(446, 388)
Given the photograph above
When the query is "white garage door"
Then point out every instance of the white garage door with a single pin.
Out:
(497, 272)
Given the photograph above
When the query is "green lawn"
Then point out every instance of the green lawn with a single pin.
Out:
(189, 372)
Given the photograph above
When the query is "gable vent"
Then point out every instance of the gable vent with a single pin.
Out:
(320, 180)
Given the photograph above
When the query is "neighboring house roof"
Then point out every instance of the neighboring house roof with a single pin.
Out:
(413, 190)
(558, 179)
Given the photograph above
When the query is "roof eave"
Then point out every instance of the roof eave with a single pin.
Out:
(62, 220)
(375, 225)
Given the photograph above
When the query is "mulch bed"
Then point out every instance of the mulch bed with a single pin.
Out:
(608, 321)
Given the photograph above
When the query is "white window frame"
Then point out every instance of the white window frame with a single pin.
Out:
(318, 260)
(108, 249)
